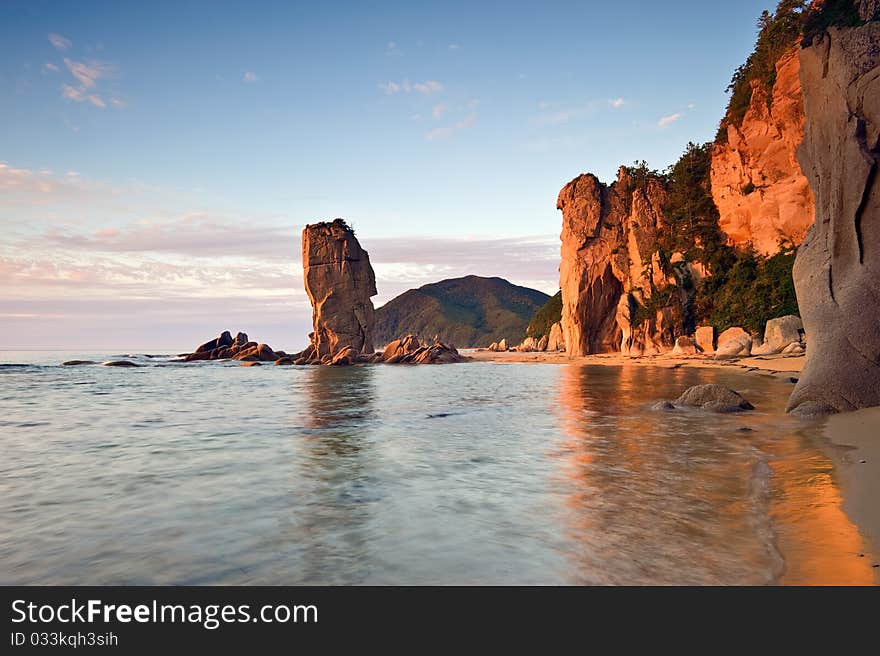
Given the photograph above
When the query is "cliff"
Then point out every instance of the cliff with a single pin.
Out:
(468, 312)
(763, 197)
(837, 271)
(339, 281)
(614, 290)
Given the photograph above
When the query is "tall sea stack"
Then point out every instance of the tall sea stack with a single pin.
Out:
(837, 271)
(339, 281)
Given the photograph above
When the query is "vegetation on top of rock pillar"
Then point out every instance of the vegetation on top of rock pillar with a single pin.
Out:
(550, 313)
(691, 225)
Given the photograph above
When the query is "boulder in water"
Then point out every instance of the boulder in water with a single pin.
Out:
(713, 398)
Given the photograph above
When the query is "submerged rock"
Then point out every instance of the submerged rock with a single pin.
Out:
(74, 363)
(119, 363)
(713, 398)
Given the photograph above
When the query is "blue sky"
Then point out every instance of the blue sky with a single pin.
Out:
(160, 152)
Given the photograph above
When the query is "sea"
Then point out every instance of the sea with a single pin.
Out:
(474, 473)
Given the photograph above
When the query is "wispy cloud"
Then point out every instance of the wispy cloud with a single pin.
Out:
(617, 103)
(50, 67)
(392, 50)
(565, 114)
(454, 46)
(448, 131)
(425, 88)
(250, 76)
(73, 273)
(87, 74)
(668, 120)
(431, 86)
(439, 110)
(59, 42)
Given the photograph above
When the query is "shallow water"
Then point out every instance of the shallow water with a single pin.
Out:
(211, 473)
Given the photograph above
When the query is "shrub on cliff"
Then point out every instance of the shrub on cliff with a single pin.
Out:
(743, 288)
(550, 313)
(753, 290)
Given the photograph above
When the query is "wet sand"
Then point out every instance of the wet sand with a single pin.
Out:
(855, 448)
(785, 366)
(853, 439)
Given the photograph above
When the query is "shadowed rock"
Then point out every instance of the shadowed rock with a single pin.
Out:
(74, 363)
(120, 363)
(837, 270)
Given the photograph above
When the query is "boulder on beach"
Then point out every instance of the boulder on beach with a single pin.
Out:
(556, 340)
(713, 398)
(705, 339)
(684, 345)
(779, 334)
(733, 343)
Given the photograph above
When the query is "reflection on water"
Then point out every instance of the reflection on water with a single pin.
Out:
(685, 498)
(473, 473)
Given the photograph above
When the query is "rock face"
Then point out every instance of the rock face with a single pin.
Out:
(339, 282)
(610, 267)
(837, 271)
(713, 398)
(758, 186)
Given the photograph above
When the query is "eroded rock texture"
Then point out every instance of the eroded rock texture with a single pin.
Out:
(837, 271)
(339, 282)
(762, 195)
(610, 267)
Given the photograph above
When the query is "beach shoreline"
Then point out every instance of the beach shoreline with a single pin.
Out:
(850, 438)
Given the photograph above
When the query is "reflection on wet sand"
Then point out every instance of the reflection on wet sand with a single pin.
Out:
(685, 497)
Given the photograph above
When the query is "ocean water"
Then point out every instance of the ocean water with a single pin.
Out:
(476, 473)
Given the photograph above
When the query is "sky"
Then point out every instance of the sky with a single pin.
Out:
(159, 160)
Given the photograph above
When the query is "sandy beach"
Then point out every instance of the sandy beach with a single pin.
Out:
(851, 438)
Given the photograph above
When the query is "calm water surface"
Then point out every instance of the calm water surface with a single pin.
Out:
(213, 473)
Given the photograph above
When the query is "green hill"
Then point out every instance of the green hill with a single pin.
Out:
(467, 312)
